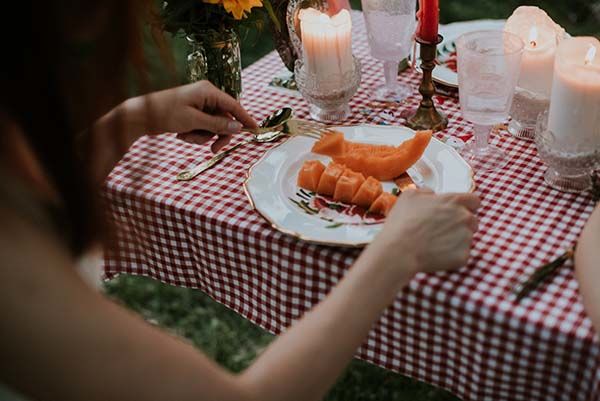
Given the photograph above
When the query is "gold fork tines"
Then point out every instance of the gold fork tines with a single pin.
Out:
(307, 128)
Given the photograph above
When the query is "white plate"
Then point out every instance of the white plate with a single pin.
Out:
(272, 190)
(447, 49)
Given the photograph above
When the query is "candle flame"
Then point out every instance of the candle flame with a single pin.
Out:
(590, 56)
(533, 36)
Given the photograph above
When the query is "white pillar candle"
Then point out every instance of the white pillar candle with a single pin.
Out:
(327, 45)
(574, 116)
(537, 66)
(541, 36)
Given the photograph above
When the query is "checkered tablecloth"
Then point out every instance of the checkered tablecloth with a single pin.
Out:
(461, 331)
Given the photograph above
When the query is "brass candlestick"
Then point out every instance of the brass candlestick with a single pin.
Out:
(426, 116)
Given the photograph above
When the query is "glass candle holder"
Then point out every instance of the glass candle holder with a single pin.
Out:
(570, 164)
(328, 94)
(525, 110)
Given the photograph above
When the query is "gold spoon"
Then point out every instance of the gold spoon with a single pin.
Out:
(269, 131)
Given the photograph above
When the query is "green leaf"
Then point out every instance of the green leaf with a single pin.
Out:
(335, 206)
(269, 7)
(334, 225)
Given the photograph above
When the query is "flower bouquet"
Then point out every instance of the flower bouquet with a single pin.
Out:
(213, 29)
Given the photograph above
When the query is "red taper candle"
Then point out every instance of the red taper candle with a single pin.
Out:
(429, 20)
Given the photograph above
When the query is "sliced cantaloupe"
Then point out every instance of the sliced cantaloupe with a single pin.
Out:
(379, 161)
(310, 174)
(347, 186)
(330, 144)
(329, 178)
(367, 193)
(383, 204)
(389, 165)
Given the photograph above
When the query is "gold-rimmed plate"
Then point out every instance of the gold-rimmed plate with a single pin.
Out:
(272, 190)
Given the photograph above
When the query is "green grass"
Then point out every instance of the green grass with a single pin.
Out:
(234, 342)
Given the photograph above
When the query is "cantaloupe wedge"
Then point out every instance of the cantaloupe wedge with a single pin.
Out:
(347, 186)
(379, 161)
(310, 174)
(329, 178)
(383, 204)
(367, 193)
(330, 144)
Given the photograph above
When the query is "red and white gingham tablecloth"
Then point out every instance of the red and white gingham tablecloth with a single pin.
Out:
(461, 331)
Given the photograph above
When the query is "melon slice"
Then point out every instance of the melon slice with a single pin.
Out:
(330, 144)
(347, 186)
(367, 193)
(383, 164)
(383, 204)
(329, 178)
(310, 174)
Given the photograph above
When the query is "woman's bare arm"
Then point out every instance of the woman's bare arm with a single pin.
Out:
(62, 341)
(587, 267)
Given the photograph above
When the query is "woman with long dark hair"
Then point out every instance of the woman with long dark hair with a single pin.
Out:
(66, 65)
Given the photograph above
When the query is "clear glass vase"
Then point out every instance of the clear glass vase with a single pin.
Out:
(215, 56)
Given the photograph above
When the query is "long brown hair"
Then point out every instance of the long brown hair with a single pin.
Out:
(65, 63)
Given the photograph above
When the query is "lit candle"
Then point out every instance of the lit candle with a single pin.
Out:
(574, 116)
(429, 20)
(327, 44)
(541, 36)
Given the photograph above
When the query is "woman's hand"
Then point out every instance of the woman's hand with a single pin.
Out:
(196, 112)
(587, 267)
(431, 232)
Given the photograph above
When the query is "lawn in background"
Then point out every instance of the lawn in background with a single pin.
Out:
(234, 342)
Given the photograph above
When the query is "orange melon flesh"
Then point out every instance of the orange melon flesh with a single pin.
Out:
(383, 204)
(347, 186)
(373, 150)
(367, 193)
(310, 174)
(383, 164)
(329, 178)
(330, 144)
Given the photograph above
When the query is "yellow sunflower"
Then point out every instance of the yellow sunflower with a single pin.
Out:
(239, 8)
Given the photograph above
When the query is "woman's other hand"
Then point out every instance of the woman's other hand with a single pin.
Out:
(432, 232)
(587, 267)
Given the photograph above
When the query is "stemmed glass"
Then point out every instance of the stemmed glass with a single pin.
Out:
(390, 27)
(488, 70)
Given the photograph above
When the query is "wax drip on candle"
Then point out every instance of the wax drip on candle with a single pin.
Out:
(590, 56)
(533, 35)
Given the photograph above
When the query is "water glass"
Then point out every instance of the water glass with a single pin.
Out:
(390, 25)
(488, 70)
